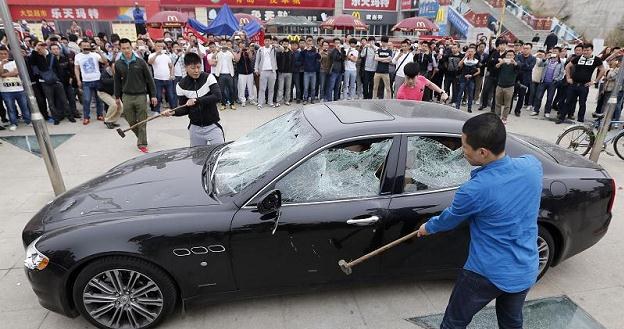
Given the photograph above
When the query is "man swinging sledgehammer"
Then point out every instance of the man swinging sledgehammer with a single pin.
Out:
(500, 202)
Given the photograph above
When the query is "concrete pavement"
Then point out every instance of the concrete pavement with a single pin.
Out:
(593, 279)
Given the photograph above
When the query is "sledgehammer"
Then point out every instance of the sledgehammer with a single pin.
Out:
(122, 132)
(346, 267)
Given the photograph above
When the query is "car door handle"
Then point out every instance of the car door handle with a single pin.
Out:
(363, 221)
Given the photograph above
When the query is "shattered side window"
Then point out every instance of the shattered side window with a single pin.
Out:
(246, 160)
(351, 170)
(434, 163)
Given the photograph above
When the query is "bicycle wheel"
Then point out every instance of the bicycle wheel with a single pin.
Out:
(618, 145)
(578, 139)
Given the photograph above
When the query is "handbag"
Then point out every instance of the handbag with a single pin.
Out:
(49, 76)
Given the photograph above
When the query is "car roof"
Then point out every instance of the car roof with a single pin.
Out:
(352, 118)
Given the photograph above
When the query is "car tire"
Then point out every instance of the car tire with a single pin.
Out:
(546, 250)
(148, 295)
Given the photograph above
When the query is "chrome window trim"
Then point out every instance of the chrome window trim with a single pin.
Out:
(311, 154)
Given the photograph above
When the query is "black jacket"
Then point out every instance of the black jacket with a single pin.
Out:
(286, 61)
(133, 78)
(246, 64)
(107, 83)
(206, 90)
(42, 64)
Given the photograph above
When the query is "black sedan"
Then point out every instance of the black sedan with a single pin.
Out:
(274, 211)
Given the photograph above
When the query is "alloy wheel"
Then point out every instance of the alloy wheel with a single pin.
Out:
(121, 298)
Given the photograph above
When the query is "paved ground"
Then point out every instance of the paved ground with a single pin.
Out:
(594, 279)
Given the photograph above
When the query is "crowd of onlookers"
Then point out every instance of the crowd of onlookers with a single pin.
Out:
(491, 73)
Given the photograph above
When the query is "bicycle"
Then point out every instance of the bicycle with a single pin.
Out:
(580, 138)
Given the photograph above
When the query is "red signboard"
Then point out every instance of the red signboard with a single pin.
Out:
(477, 19)
(497, 3)
(405, 4)
(290, 4)
(375, 5)
(32, 13)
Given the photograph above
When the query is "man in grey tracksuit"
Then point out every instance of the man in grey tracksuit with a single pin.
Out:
(266, 67)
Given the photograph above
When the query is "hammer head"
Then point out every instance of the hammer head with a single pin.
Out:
(121, 132)
(344, 266)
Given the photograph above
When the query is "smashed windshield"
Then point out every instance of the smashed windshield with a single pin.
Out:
(434, 163)
(246, 160)
(346, 171)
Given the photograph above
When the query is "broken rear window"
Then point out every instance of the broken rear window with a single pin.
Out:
(350, 170)
(246, 160)
(434, 163)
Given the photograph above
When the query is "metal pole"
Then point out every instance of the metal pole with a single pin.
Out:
(502, 18)
(39, 124)
(606, 122)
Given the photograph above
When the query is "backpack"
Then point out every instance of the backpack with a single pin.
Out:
(452, 64)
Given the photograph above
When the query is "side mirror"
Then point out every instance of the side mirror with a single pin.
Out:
(270, 203)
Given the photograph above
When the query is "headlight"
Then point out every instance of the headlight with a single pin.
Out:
(34, 258)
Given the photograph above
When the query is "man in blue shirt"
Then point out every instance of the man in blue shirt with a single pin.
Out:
(500, 202)
(139, 19)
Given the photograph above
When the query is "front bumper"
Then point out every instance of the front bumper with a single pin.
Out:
(50, 287)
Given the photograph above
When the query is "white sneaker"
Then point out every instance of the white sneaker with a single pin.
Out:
(287, 104)
(12, 127)
(534, 114)
(272, 105)
(277, 104)
(243, 104)
(547, 115)
(259, 107)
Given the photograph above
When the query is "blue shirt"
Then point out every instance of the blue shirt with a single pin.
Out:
(501, 203)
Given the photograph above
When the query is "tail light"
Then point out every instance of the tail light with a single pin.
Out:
(612, 200)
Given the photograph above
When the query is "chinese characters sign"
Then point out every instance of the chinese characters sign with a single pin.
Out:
(377, 5)
(282, 4)
(68, 13)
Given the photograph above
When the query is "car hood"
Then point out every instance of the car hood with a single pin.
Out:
(159, 180)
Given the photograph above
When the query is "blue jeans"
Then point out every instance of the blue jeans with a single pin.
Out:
(10, 98)
(89, 90)
(348, 90)
(472, 292)
(309, 85)
(333, 87)
(169, 86)
(466, 86)
(549, 88)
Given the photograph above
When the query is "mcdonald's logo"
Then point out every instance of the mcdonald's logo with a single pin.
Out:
(356, 14)
(421, 25)
(172, 18)
(243, 21)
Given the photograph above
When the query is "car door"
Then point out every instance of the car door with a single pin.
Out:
(430, 169)
(332, 205)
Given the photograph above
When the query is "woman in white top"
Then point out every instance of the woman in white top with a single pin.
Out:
(400, 60)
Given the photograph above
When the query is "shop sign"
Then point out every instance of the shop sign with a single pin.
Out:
(71, 13)
(377, 5)
(287, 4)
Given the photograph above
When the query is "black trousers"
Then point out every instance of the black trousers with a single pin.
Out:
(450, 80)
(489, 92)
(3, 112)
(57, 100)
(41, 100)
(367, 84)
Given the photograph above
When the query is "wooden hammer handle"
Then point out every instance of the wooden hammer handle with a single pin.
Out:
(384, 248)
(150, 119)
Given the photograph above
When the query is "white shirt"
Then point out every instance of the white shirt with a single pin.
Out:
(89, 66)
(225, 62)
(350, 65)
(213, 68)
(266, 55)
(11, 84)
(161, 66)
(400, 59)
(178, 65)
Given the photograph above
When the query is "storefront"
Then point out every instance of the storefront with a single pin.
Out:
(314, 10)
(379, 15)
(112, 16)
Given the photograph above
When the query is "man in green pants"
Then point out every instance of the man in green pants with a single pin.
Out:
(133, 82)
